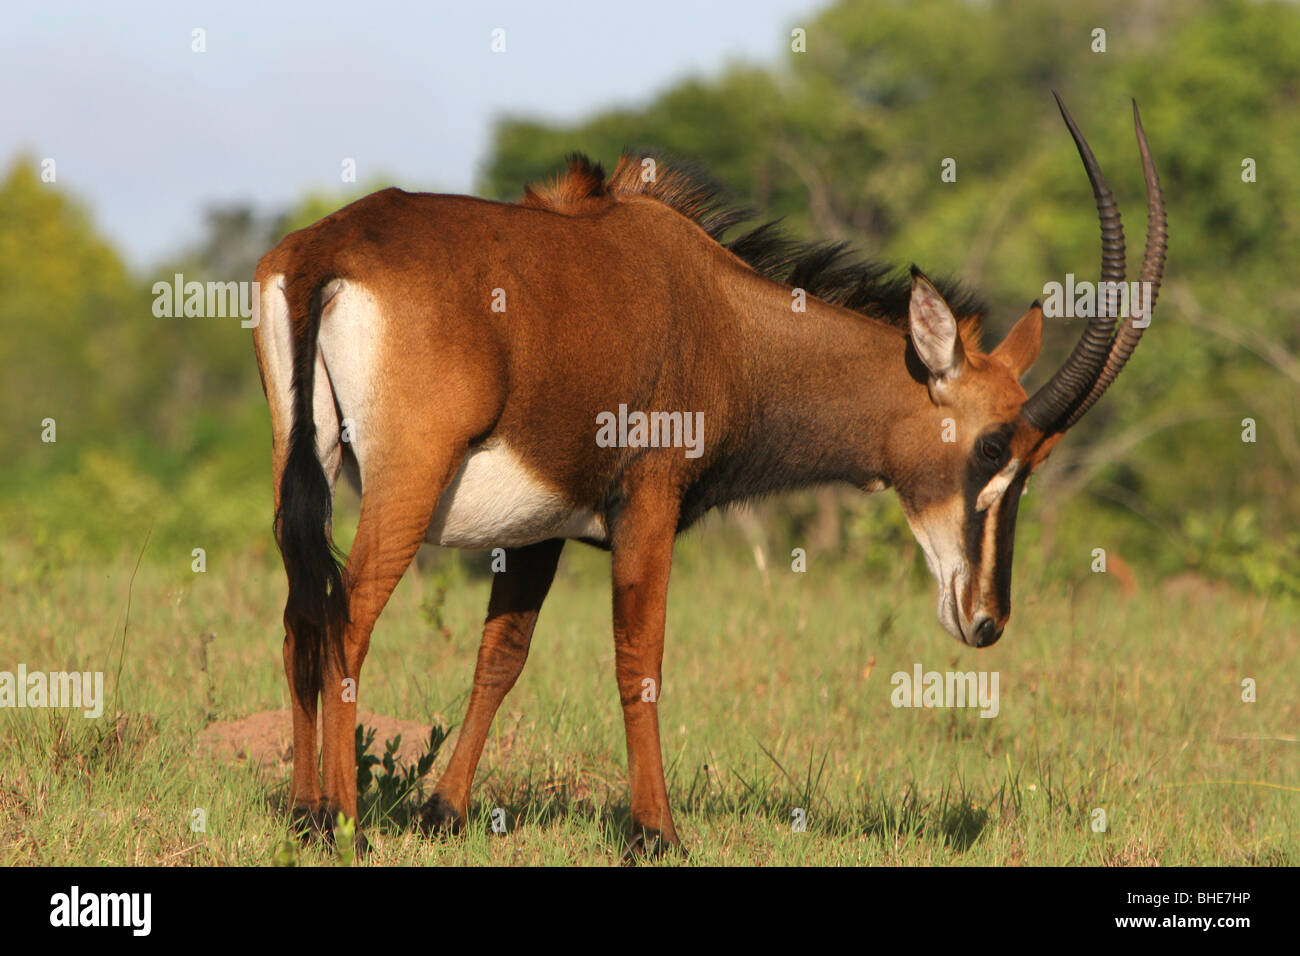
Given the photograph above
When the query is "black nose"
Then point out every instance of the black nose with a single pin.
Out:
(986, 633)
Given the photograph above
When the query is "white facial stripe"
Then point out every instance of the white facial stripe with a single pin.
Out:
(997, 485)
(988, 554)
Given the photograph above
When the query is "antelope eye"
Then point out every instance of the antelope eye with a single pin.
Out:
(991, 449)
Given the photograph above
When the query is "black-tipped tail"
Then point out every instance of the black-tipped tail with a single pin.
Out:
(317, 610)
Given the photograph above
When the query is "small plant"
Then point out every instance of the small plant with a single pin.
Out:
(211, 693)
(345, 839)
(431, 608)
(285, 853)
(394, 785)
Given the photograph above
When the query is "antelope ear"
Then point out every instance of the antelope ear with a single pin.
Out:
(1019, 350)
(934, 329)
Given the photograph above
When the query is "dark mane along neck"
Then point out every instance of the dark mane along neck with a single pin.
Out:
(829, 271)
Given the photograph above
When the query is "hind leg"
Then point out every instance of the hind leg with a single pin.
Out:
(517, 595)
(396, 507)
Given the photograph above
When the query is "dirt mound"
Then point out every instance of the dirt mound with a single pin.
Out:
(265, 739)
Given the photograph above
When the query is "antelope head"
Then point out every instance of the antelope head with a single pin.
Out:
(960, 464)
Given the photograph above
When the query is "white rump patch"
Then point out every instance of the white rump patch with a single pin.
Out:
(348, 344)
(496, 502)
(276, 338)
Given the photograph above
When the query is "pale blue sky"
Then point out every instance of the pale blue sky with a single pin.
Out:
(149, 132)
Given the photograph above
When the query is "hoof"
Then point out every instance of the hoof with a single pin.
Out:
(318, 823)
(646, 843)
(310, 822)
(439, 818)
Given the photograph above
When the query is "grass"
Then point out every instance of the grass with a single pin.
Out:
(776, 700)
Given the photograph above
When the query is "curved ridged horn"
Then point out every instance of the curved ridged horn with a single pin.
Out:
(1048, 406)
(1153, 270)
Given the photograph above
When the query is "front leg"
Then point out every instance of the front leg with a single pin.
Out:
(642, 556)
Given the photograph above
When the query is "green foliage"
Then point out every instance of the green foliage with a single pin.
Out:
(877, 535)
(285, 853)
(61, 287)
(157, 421)
(1234, 547)
(345, 839)
(395, 785)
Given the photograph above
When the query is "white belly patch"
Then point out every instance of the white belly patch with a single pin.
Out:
(496, 502)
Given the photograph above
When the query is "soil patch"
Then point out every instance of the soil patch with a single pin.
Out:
(265, 739)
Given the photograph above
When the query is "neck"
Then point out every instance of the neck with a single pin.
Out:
(815, 396)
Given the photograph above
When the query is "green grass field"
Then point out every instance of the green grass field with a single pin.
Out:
(775, 699)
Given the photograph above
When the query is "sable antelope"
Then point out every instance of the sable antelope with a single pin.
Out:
(382, 356)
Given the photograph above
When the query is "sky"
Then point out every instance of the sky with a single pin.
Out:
(148, 132)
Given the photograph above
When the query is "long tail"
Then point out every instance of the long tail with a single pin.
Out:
(317, 610)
